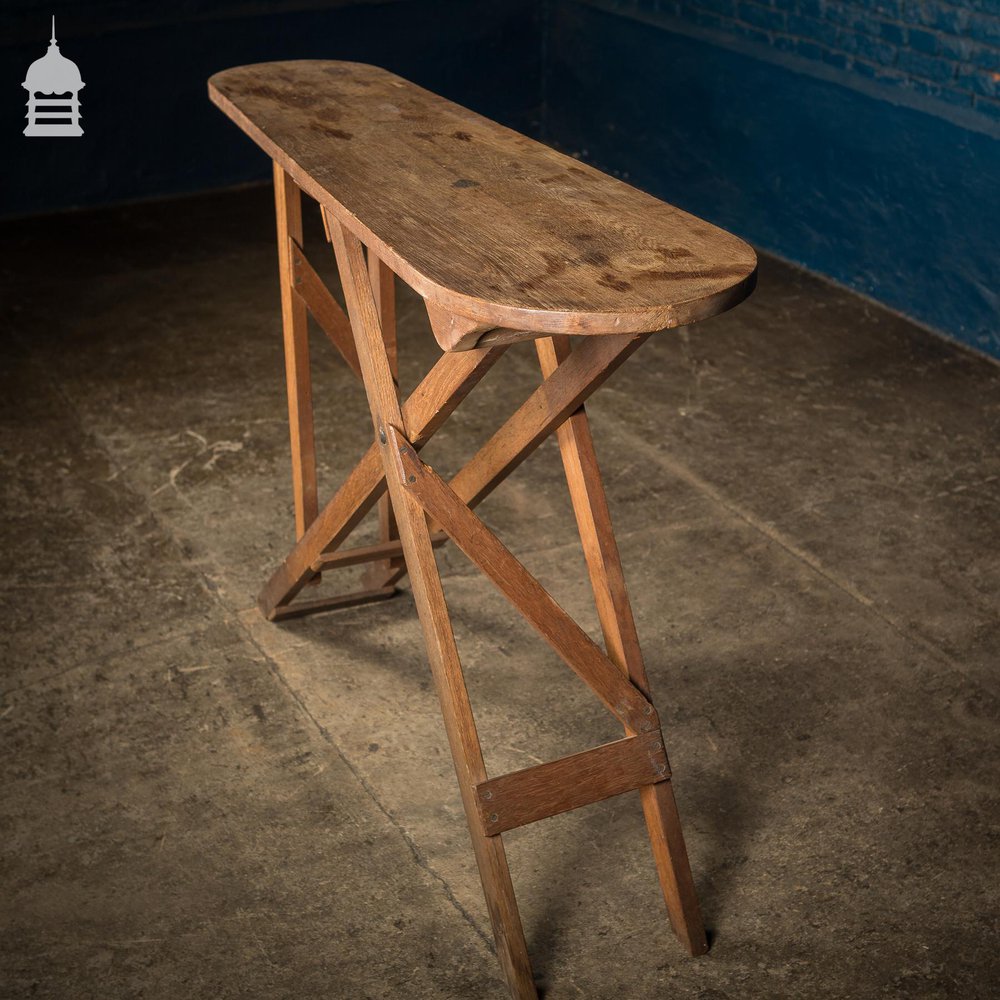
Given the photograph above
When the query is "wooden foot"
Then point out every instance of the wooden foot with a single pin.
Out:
(285, 611)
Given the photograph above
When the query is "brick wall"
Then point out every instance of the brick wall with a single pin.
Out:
(947, 54)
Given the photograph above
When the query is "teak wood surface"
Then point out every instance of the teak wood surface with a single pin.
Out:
(493, 229)
(506, 240)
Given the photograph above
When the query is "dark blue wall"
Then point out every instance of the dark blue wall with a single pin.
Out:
(880, 185)
(857, 139)
(149, 127)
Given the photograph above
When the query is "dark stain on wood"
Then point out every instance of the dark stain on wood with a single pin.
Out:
(553, 263)
(558, 247)
(596, 257)
(609, 280)
(673, 253)
(335, 133)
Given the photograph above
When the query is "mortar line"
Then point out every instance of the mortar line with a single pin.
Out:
(103, 659)
(689, 476)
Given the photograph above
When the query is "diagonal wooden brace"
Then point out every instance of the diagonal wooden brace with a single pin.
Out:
(559, 396)
(383, 283)
(431, 403)
(309, 287)
(447, 384)
(581, 654)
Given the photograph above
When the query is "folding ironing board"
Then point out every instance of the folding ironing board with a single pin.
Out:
(506, 240)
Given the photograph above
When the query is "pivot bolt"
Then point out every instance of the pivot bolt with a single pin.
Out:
(381, 435)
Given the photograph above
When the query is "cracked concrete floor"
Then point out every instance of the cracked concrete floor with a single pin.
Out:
(197, 803)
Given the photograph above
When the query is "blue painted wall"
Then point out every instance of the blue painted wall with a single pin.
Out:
(149, 128)
(860, 140)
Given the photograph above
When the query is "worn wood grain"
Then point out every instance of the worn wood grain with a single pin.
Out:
(485, 223)
(383, 283)
(393, 548)
(534, 793)
(505, 239)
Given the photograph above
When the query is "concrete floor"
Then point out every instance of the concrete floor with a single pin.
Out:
(200, 804)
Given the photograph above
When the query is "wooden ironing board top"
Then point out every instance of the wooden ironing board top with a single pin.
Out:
(487, 224)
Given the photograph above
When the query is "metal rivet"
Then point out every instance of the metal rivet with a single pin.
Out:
(649, 710)
(493, 817)
(487, 794)
(413, 479)
(657, 745)
(381, 435)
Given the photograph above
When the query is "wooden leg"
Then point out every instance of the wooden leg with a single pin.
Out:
(288, 209)
(622, 643)
(435, 622)
(423, 502)
(383, 283)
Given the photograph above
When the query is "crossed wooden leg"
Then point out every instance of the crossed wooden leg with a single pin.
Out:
(425, 511)
(438, 636)
(621, 640)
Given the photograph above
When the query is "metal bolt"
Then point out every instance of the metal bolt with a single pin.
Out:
(649, 710)
(493, 817)
(487, 794)
(413, 479)
(381, 434)
(657, 745)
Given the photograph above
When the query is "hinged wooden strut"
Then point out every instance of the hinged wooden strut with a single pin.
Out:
(420, 511)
